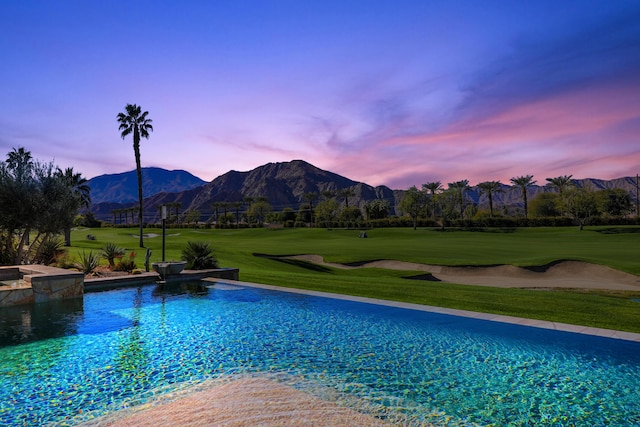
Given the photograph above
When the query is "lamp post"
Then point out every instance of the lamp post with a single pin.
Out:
(164, 222)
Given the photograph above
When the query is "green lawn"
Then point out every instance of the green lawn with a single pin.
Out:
(617, 247)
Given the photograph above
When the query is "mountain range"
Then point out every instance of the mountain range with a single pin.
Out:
(123, 187)
(283, 184)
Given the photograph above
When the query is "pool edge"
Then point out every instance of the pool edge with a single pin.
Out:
(543, 324)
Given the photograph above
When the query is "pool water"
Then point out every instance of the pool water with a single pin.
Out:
(66, 362)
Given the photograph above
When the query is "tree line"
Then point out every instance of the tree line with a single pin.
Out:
(564, 200)
(562, 203)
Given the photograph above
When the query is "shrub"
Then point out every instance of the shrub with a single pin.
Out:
(199, 256)
(65, 261)
(111, 252)
(88, 262)
(126, 264)
(49, 251)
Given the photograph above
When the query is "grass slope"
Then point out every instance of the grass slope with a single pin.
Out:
(616, 247)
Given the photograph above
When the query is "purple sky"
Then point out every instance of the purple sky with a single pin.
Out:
(394, 93)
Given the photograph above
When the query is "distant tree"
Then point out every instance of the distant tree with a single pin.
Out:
(237, 206)
(545, 205)
(562, 183)
(434, 187)
(350, 214)
(136, 122)
(377, 209)
(459, 187)
(346, 193)
(413, 204)
(225, 207)
(523, 182)
(192, 216)
(490, 188)
(287, 215)
(88, 219)
(216, 210)
(580, 204)
(259, 211)
(79, 188)
(328, 194)
(225, 220)
(470, 211)
(310, 197)
(327, 211)
(448, 203)
(614, 202)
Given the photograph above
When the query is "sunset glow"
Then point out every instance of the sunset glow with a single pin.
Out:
(387, 93)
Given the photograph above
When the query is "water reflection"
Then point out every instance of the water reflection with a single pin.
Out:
(193, 288)
(33, 322)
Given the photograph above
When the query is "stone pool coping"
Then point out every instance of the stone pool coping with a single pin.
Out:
(565, 327)
(40, 283)
(146, 278)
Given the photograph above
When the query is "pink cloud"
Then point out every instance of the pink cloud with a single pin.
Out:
(581, 133)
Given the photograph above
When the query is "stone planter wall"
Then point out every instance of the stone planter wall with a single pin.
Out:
(39, 283)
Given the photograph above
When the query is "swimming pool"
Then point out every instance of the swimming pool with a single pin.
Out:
(69, 361)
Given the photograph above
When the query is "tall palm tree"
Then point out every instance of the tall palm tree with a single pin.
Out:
(136, 122)
(328, 194)
(346, 193)
(460, 187)
(523, 182)
(20, 162)
(237, 205)
(78, 185)
(434, 187)
(80, 190)
(310, 197)
(490, 188)
(561, 183)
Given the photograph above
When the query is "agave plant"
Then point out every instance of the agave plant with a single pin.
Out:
(199, 256)
(49, 250)
(111, 252)
(88, 262)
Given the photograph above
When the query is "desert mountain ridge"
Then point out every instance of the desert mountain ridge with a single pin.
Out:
(123, 187)
(284, 184)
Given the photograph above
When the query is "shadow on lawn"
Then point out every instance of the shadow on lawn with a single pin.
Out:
(618, 230)
(296, 262)
(498, 230)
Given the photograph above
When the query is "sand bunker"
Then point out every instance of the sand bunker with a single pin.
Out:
(242, 402)
(563, 274)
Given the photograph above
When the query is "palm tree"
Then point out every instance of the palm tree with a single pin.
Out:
(81, 191)
(136, 122)
(78, 185)
(328, 194)
(310, 197)
(523, 182)
(460, 187)
(490, 188)
(434, 187)
(561, 183)
(237, 205)
(20, 162)
(346, 193)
